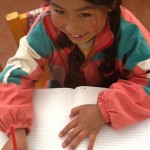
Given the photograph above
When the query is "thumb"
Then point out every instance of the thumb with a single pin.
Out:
(75, 111)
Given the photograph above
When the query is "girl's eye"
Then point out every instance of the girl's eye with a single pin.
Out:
(85, 15)
(61, 12)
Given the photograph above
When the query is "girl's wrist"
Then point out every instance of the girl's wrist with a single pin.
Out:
(19, 132)
(18, 139)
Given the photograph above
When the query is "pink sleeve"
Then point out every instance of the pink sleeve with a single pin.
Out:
(123, 104)
(15, 107)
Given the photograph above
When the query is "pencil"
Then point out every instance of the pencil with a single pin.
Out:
(13, 137)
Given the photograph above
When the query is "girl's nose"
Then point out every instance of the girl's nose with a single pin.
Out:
(72, 26)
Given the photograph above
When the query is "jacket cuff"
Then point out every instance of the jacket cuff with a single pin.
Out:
(103, 105)
(27, 128)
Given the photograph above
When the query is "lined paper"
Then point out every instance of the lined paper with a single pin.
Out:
(52, 108)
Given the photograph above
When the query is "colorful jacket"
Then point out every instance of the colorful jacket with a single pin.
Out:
(126, 102)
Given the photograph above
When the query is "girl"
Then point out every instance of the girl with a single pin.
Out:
(85, 42)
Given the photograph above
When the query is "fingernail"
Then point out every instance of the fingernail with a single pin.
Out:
(64, 144)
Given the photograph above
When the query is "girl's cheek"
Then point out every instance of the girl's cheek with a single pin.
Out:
(57, 22)
(97, 27)
(92, 27)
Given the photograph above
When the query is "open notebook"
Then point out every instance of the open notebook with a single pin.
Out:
(52, 108)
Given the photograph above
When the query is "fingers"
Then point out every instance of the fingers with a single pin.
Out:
(71, 136)
(92, 139)
(68, 127)
(85, 124)
(75, 111)
(77, 140)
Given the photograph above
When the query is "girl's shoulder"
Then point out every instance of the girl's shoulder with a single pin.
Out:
(129, 17)
(42, 34)
(129, 23)
(44, 21)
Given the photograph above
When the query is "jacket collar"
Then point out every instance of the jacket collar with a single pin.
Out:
(104, 39)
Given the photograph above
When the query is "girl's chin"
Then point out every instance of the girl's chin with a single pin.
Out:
(80, 42)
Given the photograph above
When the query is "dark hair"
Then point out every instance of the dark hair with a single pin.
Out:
(107, 69)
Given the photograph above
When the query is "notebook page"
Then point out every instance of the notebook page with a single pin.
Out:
(131, 138)
(51, 107)
(47, 128)
(3, 139)
(148, 126)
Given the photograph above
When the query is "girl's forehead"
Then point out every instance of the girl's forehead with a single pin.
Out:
(75, 5)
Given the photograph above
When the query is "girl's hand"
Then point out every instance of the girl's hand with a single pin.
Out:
(20, 139)
(87, 123)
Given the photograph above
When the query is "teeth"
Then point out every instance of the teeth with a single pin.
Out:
(77, 35)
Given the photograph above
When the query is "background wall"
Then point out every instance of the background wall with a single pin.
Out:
(7, 43)
(140, 8)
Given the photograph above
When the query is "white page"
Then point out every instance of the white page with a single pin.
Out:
(53, 118)
(148, 126)
(3, 139)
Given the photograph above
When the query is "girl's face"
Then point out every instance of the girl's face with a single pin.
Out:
(78, 19)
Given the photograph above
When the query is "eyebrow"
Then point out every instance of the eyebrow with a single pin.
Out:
(79, 9)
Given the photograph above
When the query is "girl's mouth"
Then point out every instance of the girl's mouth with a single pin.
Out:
(77, 35)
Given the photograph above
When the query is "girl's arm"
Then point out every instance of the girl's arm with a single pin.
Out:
(128, 101)
(17, 81)
(124, 103)
(19, 143)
